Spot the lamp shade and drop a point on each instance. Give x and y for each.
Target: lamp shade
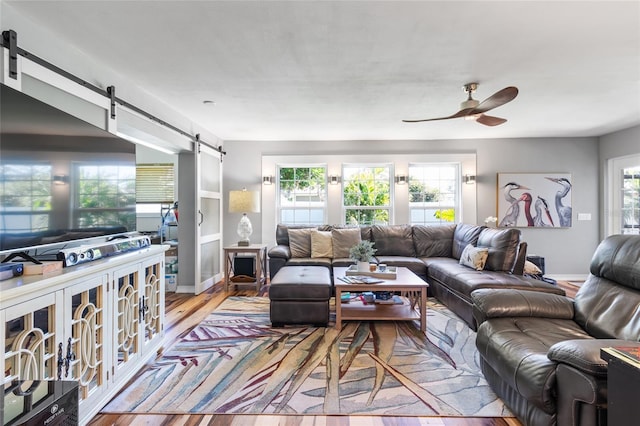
(244, 201)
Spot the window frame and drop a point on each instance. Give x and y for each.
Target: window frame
(278, 197)
(390, 180)
(78, 211)
(457, 194)
(30, 213)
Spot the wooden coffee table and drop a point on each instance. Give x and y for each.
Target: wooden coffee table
(412, 288)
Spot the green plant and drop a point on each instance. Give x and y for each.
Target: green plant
(363, 251)
(448, 215)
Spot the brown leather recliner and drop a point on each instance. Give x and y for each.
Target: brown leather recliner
(540, 352)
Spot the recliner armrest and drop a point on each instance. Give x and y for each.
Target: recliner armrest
(584, 355)
(281, 251)
(495, 303)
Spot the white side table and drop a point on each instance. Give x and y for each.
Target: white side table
(260, 252)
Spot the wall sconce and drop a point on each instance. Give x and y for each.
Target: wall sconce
(334, 180)
(60, 179)
(267, 180)
(401, 179)
(469, 179)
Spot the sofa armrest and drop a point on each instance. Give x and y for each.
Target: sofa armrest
(518, 268)
(495, 303)
(280, 251)
(584, 355)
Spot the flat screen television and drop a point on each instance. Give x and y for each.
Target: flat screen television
(62, 180)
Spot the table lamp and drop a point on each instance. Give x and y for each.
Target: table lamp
(244, 202)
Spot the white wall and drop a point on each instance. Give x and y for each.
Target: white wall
(620, 144)
(566, 251)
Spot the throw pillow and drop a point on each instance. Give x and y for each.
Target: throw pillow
(474, 257)
(321, 245)
(531, 268)
(300, 242)
(343, 240)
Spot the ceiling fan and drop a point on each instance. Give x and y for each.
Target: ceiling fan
(472, 109)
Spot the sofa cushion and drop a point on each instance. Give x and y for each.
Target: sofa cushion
(503, 245)
(462, 280)
(464, 235)
(343, 240)
(282, 232)
(300, 242)
(474, 257)
(309, 261)
(321, 245)
(433, 241)
(414, 264)
(393, 240)
(531, 268)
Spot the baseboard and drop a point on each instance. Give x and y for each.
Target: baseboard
(567, 277)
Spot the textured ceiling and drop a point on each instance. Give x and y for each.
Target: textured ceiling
(352, 70)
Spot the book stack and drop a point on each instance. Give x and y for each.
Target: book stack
(360, 279)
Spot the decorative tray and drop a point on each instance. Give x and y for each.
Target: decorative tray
(391, 273)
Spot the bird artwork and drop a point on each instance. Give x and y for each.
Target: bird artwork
(540, 207)
(527, 198)
(511, 216)
(564, 211)
(524, 200)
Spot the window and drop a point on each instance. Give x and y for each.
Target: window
(366, 194)
(155, 183)
(104, 195)
(631, 201)
(433, 193)
(25, 195)
(302, 195)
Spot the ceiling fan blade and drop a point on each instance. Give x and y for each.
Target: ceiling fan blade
(458, 114)
(489, 120)
(499, 98)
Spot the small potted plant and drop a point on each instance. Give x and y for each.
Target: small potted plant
(362, 253)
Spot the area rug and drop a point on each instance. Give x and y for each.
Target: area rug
(234, 362)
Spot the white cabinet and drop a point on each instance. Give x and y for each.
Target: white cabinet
(96, 324)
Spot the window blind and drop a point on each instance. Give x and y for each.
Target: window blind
(155, 183)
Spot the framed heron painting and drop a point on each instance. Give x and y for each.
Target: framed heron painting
(541, 200)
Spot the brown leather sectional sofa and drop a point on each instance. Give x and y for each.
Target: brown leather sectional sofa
(541, 352)
(433, 253)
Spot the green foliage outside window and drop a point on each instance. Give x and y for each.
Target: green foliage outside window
(368, 188)
(302, 178)
(447, 215)
(105, 187)
(419, 192)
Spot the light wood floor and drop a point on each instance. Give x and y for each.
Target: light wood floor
(184, 311)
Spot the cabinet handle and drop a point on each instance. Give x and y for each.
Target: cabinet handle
(143, 308)
(201, 217)
(71, 356)
(60, 361)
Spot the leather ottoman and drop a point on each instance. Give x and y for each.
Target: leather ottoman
(300, 295)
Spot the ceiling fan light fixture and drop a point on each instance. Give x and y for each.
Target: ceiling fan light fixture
(469, 103)
(472, 109)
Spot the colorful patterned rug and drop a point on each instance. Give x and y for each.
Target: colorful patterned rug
(234, 362)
